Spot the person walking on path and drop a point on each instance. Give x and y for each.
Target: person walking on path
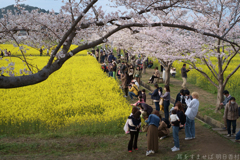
(231, 115)
(134, 124)
(191, 113)
(152, 133)
(184, 76)
(223, 104)
(157, 74)
(166, 101)
(156, 97)
(124, 83)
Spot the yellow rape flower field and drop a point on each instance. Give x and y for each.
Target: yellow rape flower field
(79, 97)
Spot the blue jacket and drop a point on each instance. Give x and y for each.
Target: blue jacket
(155, 94)
(153, 120)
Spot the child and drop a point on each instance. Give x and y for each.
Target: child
(175, 121)
(144, 95)
(140, 100)
(134, 124)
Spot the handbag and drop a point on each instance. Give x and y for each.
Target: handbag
(161, 104)
(145, 128)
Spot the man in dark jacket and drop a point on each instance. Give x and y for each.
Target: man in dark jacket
(184, 75)
(180, 97)
(110, 57)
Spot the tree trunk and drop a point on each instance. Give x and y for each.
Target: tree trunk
(220, 90)
(144, 68)
(167, 74)
(220, 80)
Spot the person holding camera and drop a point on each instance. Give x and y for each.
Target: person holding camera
(133, 90)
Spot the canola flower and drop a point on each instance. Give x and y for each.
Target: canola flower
(79, 94)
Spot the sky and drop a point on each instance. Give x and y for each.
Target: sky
(53, 4)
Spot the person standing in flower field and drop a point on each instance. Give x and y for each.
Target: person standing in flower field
(184, 76)
(41, 51)
(2, 54)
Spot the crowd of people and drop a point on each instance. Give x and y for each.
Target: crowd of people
(181, 116)
(5, 53)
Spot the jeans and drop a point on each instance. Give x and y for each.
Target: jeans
(189, 128)
(238, 135)
(110, 74)
(175, 130)
(157, 106)
(133, 135)
(131, 94)
(233, 122)
(150, 66)
(166, 109)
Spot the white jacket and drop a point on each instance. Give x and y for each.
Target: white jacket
(192, 109)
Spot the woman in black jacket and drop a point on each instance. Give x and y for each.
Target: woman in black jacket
(180, 114)
(134, 124)
(155, 96)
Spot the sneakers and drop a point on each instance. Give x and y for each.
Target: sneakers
(188, 138)
(233, 134)
(229, 135)
(162, 137)
(149, 152)
(130, 151)
(125, 96)
(136, 149)
(175, 149)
